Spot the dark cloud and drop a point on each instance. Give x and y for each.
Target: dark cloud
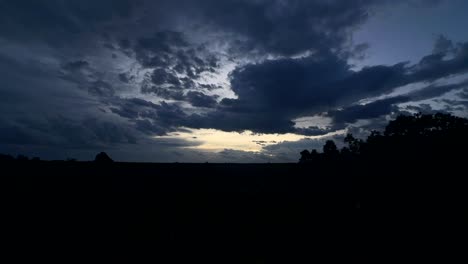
(286, 27)
(455, 105)
(91, 131)
(86, 76)
(125, 78)
(133, 108)
(369, 111)
(463, 94)
(199, 99)
(76, 65)
(164, 93)
(67, 133)
(274, 92)
(209, 87)
(388, 106)
(443, 46)
(317, 131)
(126, 112)
(240, 121)
(101, 88)
(358, 52)
(421, 108)
(150, 127)
(172, 55)
(58, 22)
(273, 26)
(436, 65)
(175, 63)
(162, 76)
(160, 49)
(70, 69)
(14, 133)
(433, 91)
(150, 118)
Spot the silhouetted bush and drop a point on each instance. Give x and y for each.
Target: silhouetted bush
(6, 158)
(103, 158)
(22, 158)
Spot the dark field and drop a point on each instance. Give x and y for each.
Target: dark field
(258, 208)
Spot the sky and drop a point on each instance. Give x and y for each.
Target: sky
(221, 81)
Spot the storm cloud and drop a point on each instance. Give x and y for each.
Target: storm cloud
(85, 76)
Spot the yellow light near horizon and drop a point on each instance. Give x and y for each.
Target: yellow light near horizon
(217, 140)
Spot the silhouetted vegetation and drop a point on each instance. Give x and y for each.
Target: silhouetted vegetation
(22, 158)
(6, 158)
(103, 158)
(418, 137)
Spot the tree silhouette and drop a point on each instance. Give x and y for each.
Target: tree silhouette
(330, 149)
(103, 158)
(6, 158)
(305, 156)
(314, 154)
(353, 143)
(22, 158)
(436, 136)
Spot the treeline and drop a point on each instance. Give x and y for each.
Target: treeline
(19, 158)
(100, 158)
(417, 137)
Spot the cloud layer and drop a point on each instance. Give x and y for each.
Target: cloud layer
(84, 76)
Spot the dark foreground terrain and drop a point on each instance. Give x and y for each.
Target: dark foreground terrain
(391, 194)
(245, 212)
